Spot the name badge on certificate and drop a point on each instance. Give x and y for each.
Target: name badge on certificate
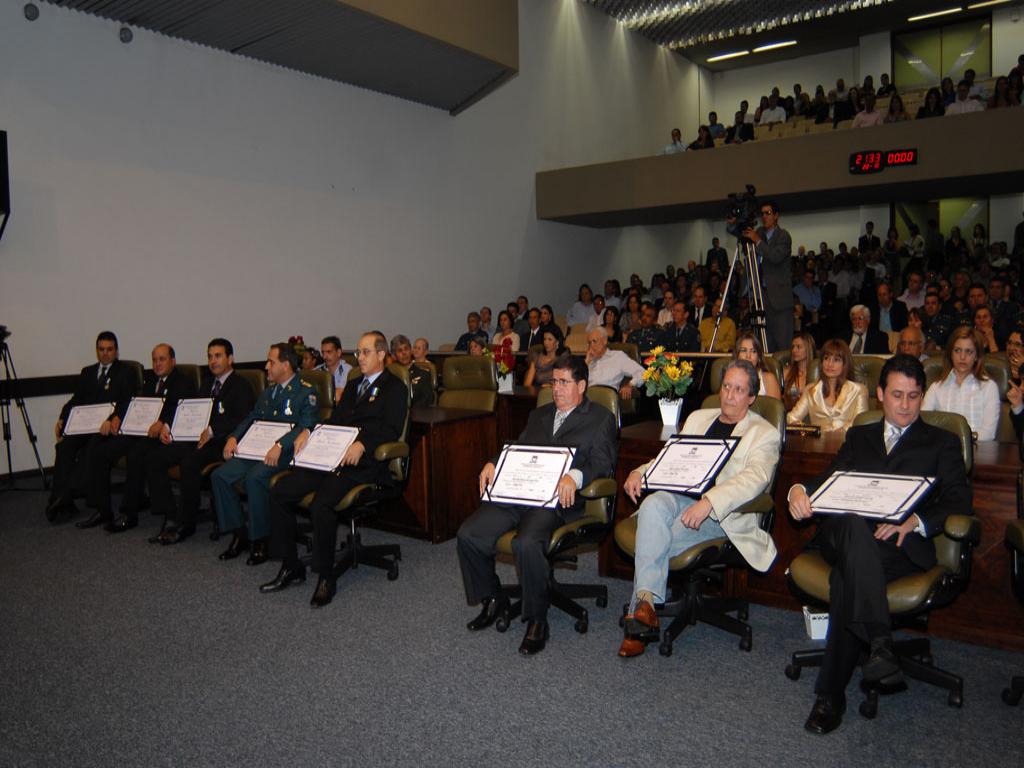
(689, 464)
(87, 419)
(142, 412)
(326, 447)
(882, 497)
(260, 438)
(191, 418)
(529, 474)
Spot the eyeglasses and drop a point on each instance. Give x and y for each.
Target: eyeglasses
(767, 212)
(562, 382)
(1015, 344)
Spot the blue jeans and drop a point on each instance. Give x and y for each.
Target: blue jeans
(660, 536)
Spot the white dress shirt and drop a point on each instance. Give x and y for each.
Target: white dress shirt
(977, 401)
(612, 367)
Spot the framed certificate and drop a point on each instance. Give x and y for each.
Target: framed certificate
(142, 412)
(260, 438)
(884, 497)
(86, 419)
(689, 464)
(529, 474)
(191, 419)
(326, 447)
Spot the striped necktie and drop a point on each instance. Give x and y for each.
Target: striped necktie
(559, 421)
(892, 437)
(363, 386)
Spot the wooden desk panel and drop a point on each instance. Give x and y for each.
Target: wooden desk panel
(448, 447)
(513, 411)
(987, 613)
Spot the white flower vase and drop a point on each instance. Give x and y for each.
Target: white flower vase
(670, 410)
(506, 384)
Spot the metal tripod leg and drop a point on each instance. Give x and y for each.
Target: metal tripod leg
(11, 386)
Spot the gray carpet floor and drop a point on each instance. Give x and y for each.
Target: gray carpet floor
(114, 652)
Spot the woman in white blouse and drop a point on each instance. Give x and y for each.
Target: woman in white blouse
(965, 388)
(505, 331)
(834, 400)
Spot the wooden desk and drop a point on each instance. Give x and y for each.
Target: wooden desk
(513, 411)
(448, 448)
(986, 613)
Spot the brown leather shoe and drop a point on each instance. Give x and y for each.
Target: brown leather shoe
(631, 647)
(643, 619)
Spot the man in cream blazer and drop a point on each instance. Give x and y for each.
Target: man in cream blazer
(669, 523)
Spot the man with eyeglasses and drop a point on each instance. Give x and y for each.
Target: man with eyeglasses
(570, 420)
(774, 248)
(670, 523)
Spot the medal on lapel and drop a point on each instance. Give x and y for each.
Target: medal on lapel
(220, 408)
(288, 407)
(373, 393)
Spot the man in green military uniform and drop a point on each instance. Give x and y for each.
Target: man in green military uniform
(648, 335)
(289, 399)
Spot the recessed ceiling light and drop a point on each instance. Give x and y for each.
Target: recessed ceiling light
(933, 14)
(723, 56)
(773, 46)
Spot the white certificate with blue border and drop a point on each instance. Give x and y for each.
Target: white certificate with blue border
(326, 447)
(883, 497)
(142, 412)
(688, 464)
(87, 419)
(260, 438)
(529, 475)
(191, 418)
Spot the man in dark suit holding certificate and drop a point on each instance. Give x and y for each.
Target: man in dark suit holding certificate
(864, 555)
(571, 420)
(289, 399)
(233, 399)
(163, 381)
(376, 403)
(108, 381)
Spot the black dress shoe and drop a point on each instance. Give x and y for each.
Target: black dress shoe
(258, 553)
(286, 576)
(177, 535)
(827, 713)
(158, 537)
(536, 636)
(325, 589)
(237, 546)
(122, 524)
(489, 612)
(883, 665)
(91, 522)
(57, 505)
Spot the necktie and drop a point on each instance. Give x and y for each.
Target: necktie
(559, 420)
(103, 373)
(892, 438)
(160, 387)
(858, 345)
(363, 386)
(216, 389)
(273, 392)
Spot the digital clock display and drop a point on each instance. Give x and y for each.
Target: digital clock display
(876, 161)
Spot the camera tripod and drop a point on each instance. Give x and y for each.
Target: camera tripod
(9, 387)
(745, 250)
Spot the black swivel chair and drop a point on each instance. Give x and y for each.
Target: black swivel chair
(1015, 542)
(566, 541)
(692, 570)
(911, 598)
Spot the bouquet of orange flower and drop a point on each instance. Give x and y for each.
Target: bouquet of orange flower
(666, 376)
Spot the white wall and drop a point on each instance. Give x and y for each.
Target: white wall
(171, 192)
(1004, 214)
(874, 57)
(1007, 38)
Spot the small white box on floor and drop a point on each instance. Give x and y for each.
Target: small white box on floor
(816, 624)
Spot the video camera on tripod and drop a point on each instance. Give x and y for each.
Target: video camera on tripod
(744, 210)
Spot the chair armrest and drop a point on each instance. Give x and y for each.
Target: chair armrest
(571, 528)
(278, 477)
(389, 451)
(965, 528)
(601, 488)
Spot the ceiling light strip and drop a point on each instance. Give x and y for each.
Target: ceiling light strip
(773, 46)
(933, 14)
(724, 56)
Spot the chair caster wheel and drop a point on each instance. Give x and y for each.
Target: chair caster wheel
(665, 648)
(868, 709)
(502, 623)
(746, 642)
(602, 601)
(1011, 696)
(792, 671)
(393, 572)
(955, 699)
(581, 626)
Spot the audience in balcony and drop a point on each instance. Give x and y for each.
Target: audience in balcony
(770, 111)
(896, 113)
(963, 104)
(1002, 96)
(704, 139)
(716, 128)
(886, 88)
(675, 146)
(948, 91)
(965, 387)
(934, 105)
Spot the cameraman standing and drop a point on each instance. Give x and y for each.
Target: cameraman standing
(774, 247)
